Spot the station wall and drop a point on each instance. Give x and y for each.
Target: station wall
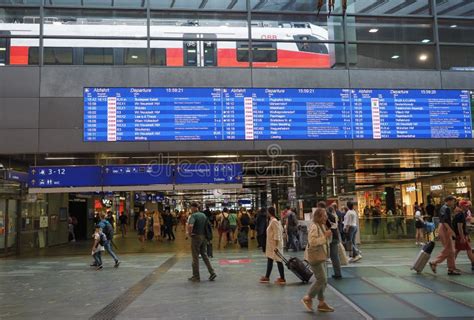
(41, 108)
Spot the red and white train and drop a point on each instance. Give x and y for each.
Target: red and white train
(173, 52)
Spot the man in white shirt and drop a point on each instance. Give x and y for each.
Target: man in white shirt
(350, 228)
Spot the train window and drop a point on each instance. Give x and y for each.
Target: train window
(310, 46)
(210, 53)
(57, 55)
(99, 56)
(262, 52)
(51, 56)
(190, 53)
(158, 56)
(135, 56)
(33, 56)
(4, 48)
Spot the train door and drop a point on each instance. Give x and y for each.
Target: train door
(4, 49)
(200, 53)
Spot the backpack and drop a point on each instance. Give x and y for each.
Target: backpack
(225, 224)
(245, 220)
(102, 238)
(108, 231)
(208, 230)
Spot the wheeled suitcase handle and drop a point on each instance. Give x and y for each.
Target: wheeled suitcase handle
(281, 256)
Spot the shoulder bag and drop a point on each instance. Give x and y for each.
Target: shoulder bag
(317, 254)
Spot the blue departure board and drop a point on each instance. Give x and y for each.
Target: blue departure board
(223, 114)
(208, 173)
(67, 176)
(134, 175)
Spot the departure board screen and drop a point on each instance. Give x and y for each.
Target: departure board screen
(223, 114)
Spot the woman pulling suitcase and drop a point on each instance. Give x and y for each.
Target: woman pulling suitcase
(316, 254)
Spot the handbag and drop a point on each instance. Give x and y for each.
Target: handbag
(342, 254)
(317, 254)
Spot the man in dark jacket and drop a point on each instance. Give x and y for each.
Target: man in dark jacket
(261, 223)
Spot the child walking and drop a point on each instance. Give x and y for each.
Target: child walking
(98, 246)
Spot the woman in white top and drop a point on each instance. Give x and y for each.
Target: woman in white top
(318, 235)
(274, 241)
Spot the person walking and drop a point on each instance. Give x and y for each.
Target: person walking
(463, 242)
(419, 225)
(233, 226)
(141, 225)
(252, 215)
(223, 227)
(292, 230)
(350, 228)
(244, 226)
(108, 230)
(197, 230)
(332, 225)
(261, 224)
(97, 247)
(168, 219)
(318, 238)
(340, 218)
(156, 225)
(274, 242)
(446, 235)
(123, 223)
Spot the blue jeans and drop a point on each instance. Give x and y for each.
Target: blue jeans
(352, 238)
(98, 258)
(334, 255)
(108, 248)
(293, 240)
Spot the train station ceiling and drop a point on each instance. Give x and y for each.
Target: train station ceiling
(374, 7)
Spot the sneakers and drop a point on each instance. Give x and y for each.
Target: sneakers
(117, 263)
(324, 307)
(356, 258)
(194, 279)
(99, 268)
(454, 272)
(308, 304)
(93, 264)
(280, 281)
(213, 277)
(264, 280)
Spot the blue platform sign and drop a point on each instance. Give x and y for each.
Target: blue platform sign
(208, 173)
(66, 176)
(18, 176)
(137, 175)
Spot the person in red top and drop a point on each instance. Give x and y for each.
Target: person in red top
(462, 242)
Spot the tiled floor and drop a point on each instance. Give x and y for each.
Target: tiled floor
(152, 284)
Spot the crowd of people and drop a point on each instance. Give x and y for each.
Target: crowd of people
(332, 232)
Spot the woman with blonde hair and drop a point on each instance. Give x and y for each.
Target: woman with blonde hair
(157, 225)
(316, 254)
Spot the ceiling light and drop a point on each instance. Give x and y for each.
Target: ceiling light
(60, 158)
(395, 57)
(374, 30)
(423, 57)
(453, 26)
(425, 40)
(134, 57)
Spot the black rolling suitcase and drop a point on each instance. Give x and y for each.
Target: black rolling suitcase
(298, 267)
